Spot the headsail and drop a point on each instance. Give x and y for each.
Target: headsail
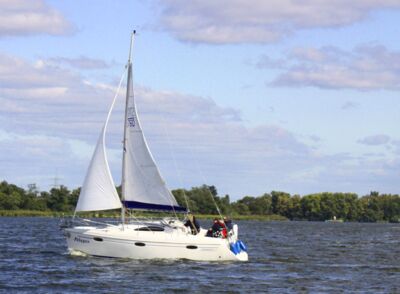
(98, 191)
(142, 184)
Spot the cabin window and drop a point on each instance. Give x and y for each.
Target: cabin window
(191, 247)
(150, 228)
(140, 244)
(98, 239)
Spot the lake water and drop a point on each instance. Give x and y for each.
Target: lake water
(285, 257)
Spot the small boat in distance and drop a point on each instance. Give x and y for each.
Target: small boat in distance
(143, 189)
(334, 220)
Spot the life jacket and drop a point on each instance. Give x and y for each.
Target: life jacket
(224, 231)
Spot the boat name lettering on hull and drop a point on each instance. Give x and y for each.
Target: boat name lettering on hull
(80, 240)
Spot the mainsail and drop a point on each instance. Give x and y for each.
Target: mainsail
(142, 184)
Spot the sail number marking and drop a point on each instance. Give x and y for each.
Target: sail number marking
(131, 117)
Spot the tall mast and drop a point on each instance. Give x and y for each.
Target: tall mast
(129, 80)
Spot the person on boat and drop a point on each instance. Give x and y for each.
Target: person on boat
(193, 224)
(228, 223)
(218, 229)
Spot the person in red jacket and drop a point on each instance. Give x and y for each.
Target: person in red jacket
(218, 229)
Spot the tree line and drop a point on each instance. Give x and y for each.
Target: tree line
(374, 207)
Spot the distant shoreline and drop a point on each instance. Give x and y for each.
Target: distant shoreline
(37, 213)
(275, 206)
(60, 214)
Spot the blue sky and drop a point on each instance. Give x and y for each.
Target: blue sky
(249, 96)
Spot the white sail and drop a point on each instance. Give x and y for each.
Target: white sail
(98, 191)
(142, 181)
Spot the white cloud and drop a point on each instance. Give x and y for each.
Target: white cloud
(16, 73)
(38, 158)
(52, 124)
(375, 140)
(258, 21)
(26, 17)
(343, 173)
(349, 105)
(81, 62)
(396, 145)
(55, 117)
(267, 62)
(185, 107)
(38, 96)
(368, 67)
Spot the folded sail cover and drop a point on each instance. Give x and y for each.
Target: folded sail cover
(149, 206)
(143, 186)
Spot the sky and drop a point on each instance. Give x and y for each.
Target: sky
(248, 95)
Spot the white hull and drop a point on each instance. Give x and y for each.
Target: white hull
(128, 242)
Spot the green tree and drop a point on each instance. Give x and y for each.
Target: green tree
(11, 201)
(311, 206)
(58, 199)
(295, 211)
(240, 208)
(280, 203)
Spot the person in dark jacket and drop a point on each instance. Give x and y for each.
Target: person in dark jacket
(193, 224)
(228, 223)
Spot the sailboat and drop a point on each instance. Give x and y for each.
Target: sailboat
(144, 189)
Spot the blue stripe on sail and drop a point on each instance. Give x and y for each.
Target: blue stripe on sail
(149, 206)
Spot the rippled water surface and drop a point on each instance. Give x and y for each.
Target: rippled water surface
(285, 257)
